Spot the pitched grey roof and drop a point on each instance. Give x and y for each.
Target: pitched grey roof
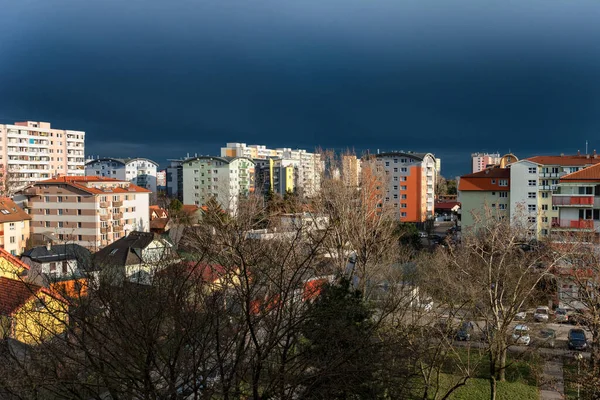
(125, 251)
(59, 252)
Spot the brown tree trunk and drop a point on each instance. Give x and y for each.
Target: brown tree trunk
(502, 366)
(492, 388)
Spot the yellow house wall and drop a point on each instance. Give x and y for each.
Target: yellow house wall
(35, 322)
(9, 270)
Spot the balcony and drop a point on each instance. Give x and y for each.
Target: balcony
(105, 229)
(117, 228)
(104, 217)
(32, 191)
(118, 216)
(104, 204)
(575, 200)
(117, 204)
(578, 224)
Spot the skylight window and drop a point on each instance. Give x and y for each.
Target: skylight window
(113, 252)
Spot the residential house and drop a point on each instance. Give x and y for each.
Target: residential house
(33, 151)
(136, 258)
(14, 226)
(52, 263)
(225, 179)
(482, 194)
(89, 211)
(141, 172)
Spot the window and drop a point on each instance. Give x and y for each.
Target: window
(47, 224)
(395, 161)
(493, 205)
(544, 219)
(52, 267)
(47, 199)
(403, 197)
(531, 220)
(531, 207)
(402, 187)
(585, 190)
(532, 170)
(395, 187)
(79, 224)
(395, 169)
(544, 232)
(531, 195)
(544, 207)
(545, 195)
(80, 237)
(554, 208)
(47, 211)
(59, 199)
(79, 212)
(395, 179)
(493, 181)
(555, 170)
(531, 182)
(60, 224)
(79, 199)
(60, 211)
(12, 226)
(387, 163)
(403, 205)
(403, 179)
(13, 239)
(404, 169)
(504, 194)
(403, 214)
(395, 196)
(502, 206)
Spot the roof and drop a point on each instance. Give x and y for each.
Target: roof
(589, 174)
(446, 205)
(482, 180)
(12, 259)
(11, 212)
(157, 212)
(119, 160)
(414, 156)
(14, 293)
(125, 251)
(81, 183)
(159, 223)
(566, 160)
(58, 252)
(224, 159)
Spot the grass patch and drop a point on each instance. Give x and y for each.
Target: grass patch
(570, 378)
(478, 388)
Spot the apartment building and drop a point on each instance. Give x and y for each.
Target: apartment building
(139, 171)
(89, 211)
(276, 175)
(411, 181)
(535, 181)
(483, 194)
(14, 227)
(480, 161)
(350, 170)
(33, 151)
(174, 179)
(308, 171)
(222, 178)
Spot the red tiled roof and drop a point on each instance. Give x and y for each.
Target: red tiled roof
(80, 182)
(482, 180)
(12, 259)
(446, 205)
(159, 223)
(11, 212)
(566, 160)
(157, 212)
(14, 293)
(591, 173)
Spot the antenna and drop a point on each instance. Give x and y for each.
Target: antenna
(586, 144)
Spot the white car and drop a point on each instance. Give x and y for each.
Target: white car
(427, 304)
(541, 314)
(521, 335)
(521, 316)
(561, 315)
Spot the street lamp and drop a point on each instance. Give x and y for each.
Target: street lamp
(578, 357)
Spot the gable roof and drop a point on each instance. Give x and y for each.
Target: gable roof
(565, 160)
(58, 252)
(13, 260)
(11, 212)
(14, 293)
(125, 251)
(589, 174)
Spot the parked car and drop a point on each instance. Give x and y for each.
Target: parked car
(423, 234)
(542, 313)
(547, 337)
(521, 335)
(577, 340)
(465, 332)
(521, 316)
(426, 304)
(561, 315)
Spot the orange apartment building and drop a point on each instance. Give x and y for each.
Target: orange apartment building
(90, 211)
(410, 184)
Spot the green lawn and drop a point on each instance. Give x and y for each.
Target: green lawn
(521, 378)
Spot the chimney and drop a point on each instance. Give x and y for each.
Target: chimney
(595, 155)
(578, 153)
(49, 246)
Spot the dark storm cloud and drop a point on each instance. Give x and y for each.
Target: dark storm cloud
(158, 79)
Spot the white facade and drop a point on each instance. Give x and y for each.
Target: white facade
(139, 171)
(308, 172)
(33, 151)
(221, 178)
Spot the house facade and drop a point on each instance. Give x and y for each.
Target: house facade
(139, 171)
(88, 211)
(483, 193)
(14, 225)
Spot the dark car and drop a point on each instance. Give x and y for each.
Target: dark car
(465, 332)
(577, 340)
(577, 317)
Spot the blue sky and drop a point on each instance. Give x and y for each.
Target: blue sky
(160, 79)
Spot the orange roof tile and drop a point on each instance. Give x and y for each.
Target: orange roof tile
(80, 182)
(482, 180)
(14, 293)
(591, 173)
(577, 160)
(12, 259)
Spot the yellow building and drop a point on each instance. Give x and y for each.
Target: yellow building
(14, 227)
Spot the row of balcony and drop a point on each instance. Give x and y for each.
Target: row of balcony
(566, 200)
(587, 224)
(107, 204)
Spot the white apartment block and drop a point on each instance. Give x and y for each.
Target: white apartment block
(308, 171)
(533, 184)
(480, 161)
(88, 211)
(139, 171)
(33, 151)
(222, 178)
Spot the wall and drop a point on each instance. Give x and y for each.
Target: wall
(39, 319)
